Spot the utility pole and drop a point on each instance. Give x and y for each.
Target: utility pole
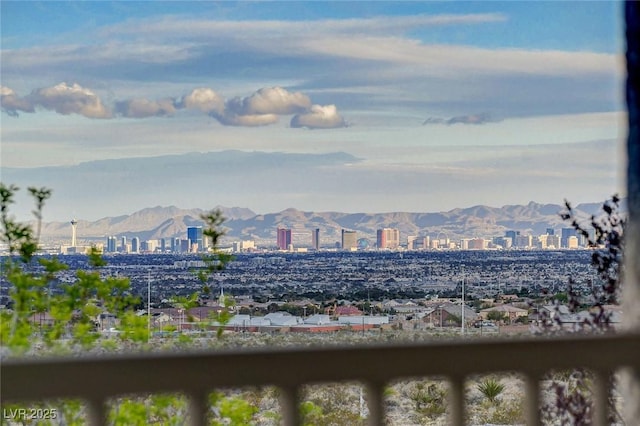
(462, 304)
(148, 306)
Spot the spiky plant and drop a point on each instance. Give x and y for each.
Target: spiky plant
(491, 389)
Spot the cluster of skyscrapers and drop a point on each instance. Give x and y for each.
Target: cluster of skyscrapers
(386, 239)
(389, 239)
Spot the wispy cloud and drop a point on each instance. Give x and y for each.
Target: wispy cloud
(194, 28)
(143, 108)
(349, 55)
(335, 181)
(480, 118)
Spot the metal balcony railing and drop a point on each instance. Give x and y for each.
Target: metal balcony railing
(95, 379)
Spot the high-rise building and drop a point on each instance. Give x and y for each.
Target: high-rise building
(315, 239)
(388, 238)
(412, 242)
(549, 241)
(566, 234)
(512, 235)
(123, 246)
(572, 242)
(194, 236)
(504, 242)
(135, 245)
(426, 242)
(523, 241)
(553, 241)
(243, 246)
(477, 244)
(112, 243)
(284, 238)
(349, 240)
(150, 246)
(550, 231)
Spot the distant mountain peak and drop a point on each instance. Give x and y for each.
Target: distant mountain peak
(242, 223)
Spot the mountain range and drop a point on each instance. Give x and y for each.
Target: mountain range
(244, 224)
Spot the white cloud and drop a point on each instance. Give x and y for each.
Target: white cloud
(261, 108)
(249, 120)
(6, 91)
(270, 100)
(448, 60)
(205, 100)
(189, 29)
(328, 55)
(70, 99)
(143, 108)
(319, 117)
(176, 40)
(11, 103)
(378, 39)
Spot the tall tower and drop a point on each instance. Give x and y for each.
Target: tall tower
(74, 223)
(349, 240)
(315, 239)
(195, 236)
(388, 238)
(284, 239)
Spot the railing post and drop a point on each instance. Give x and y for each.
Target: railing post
(289, 406)
(456, 401)
(375, 403)
(198, 408)
(600, 394)
(532, 399)
(631, 296)
(96, 412)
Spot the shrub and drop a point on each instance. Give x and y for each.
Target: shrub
(605, 234)
(491, 389)
(429, 400)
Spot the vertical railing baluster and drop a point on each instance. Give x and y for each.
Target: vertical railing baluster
(600, 392)
(375, 404)
(198, 408)
(96, 412)
(289, 406)
(532, 399)
(456, 401)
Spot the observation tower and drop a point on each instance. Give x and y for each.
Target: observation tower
(74, 223)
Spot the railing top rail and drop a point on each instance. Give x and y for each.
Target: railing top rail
(106, 376)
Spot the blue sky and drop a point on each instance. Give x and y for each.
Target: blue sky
(443, 99)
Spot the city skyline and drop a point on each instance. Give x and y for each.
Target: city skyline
(386, 239)
(355, 106)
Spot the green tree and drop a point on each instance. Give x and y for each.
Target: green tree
(496, 316)
(215, 261)
(76, 308)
